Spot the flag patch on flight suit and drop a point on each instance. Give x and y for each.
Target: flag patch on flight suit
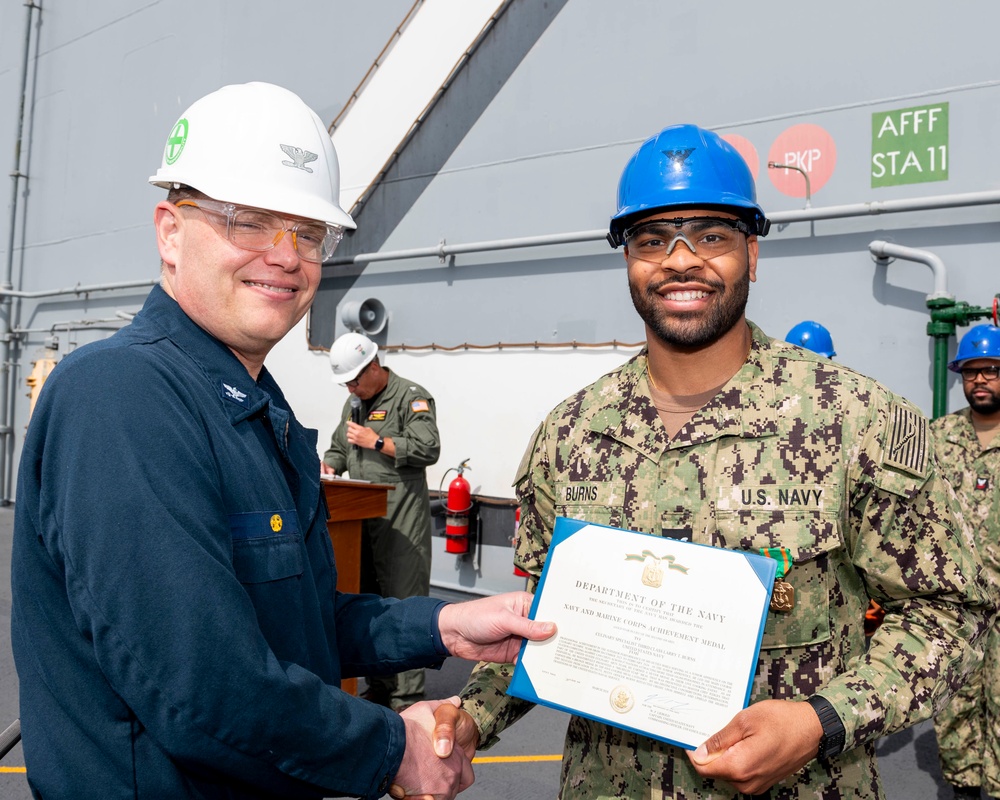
(377, 416)
(906, 448)
(420, 405)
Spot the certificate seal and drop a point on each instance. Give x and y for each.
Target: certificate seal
(622, 699)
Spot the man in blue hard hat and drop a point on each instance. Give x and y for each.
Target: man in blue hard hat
(719, 434)
(967, 444)
(812, 336)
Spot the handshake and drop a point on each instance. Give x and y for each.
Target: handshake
(441, 738)
(443, 724)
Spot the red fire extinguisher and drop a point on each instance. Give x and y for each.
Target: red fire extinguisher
(456, 525)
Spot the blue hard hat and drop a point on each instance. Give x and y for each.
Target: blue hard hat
(812, 336)
(982, 341)
(685, 166)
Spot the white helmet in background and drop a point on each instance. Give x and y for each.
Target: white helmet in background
(256, 144)
(350, 354)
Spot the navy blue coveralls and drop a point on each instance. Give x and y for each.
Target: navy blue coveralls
(176, 627)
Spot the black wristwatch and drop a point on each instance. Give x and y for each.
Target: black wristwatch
(379, 444)
(832, 743)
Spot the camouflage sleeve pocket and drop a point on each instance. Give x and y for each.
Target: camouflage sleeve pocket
(808, 622)
(812, 542)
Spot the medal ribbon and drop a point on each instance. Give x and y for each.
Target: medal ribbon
(782, 556)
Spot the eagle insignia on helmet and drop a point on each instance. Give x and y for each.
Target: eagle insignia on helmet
(299, 156)
(678, 156)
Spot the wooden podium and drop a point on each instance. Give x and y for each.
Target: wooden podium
(349, 502)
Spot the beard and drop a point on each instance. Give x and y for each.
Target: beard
(693, 329)
(987, 406)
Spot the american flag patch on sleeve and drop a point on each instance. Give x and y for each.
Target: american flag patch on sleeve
(420, 405)
(907, 444)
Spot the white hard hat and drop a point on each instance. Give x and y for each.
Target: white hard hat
(350, 354)
(256, 144)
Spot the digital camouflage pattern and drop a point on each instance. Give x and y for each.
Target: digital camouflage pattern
(968, 730)
(795, 451)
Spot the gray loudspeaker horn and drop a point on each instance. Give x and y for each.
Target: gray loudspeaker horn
(367, 317)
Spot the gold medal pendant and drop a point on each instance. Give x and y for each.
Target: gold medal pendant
(783, 596)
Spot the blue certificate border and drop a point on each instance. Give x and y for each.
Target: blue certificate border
(521, 685)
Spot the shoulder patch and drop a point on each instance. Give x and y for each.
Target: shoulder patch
(907, 441)
(420, 405)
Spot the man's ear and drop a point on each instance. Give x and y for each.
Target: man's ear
(752, 257)
(166, 221)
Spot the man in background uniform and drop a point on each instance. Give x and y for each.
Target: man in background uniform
(967, 444)
(393, 440)
(704, 435)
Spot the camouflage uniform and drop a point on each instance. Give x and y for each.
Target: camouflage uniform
(968, 730)
(795, 451)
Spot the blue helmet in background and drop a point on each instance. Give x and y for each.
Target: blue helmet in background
(685, 166)
(982, 341)
(812, 336)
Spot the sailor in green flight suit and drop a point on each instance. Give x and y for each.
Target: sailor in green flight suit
(392, 438)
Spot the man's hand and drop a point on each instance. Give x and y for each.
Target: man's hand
(424, 771)
(762, 745)
(491, 629)
(325, 470)
(361, 436)
(454, 725)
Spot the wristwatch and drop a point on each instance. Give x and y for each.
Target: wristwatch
(379, 444)
(832, 743)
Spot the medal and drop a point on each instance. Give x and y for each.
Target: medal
(783, 594)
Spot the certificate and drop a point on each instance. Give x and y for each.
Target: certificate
(655, 635)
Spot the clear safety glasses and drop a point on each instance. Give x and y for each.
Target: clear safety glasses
(255, 229)
(706, 237)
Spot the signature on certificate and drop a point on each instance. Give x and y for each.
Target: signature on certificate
(665, 702)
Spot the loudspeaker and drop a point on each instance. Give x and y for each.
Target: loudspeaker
(367, 317)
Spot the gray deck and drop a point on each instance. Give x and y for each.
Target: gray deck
(909, 759)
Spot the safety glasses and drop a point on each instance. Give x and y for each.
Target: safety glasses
(706, 237)
(989, 373)
(256, 229)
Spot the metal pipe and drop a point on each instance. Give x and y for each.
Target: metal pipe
(940, 382)
(78, 289)
(6, 304)
(776, 165)
(886, 250)
(443, 250)
(10, 737)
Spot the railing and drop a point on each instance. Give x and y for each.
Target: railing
(10, 737)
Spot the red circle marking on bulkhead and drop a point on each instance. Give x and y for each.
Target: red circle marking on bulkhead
(808, 147)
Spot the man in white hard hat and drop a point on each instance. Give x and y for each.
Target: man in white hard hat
(176, 626)
(387, 434)
(967, 444)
